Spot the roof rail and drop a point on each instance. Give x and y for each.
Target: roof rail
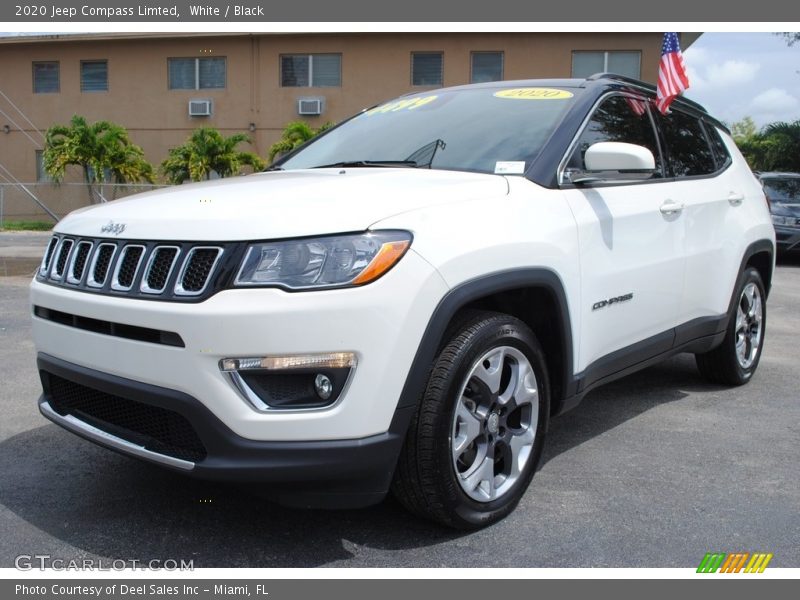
(643, 85)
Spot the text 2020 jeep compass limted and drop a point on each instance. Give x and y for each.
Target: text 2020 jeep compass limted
(403, 303)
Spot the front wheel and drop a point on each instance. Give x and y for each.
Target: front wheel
(477, 436)
(735, 360)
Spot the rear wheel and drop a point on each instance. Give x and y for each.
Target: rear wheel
(477, 436)
(735, 360)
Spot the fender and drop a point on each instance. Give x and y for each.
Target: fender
(473, 290)
(756, 247)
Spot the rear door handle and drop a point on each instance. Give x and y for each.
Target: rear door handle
(670, 207)
(735, 199)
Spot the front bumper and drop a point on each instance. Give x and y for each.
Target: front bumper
(381, 323)
(323, 473)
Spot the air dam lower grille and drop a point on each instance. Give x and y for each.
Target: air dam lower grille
(156, 429)
(175, 271)
(131, 332)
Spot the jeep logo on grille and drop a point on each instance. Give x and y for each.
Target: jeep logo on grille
(111, 227)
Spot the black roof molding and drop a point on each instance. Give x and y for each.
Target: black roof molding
(681, 101)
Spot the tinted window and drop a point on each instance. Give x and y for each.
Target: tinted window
(585, 63)
(45, 78)
(489, 130)
(617, 119)
(427, 68)
(718, 146)
(487, 66)
(211, 73)
(687, 146)
(196, 73)
(181, 73)
(94, 76)
(295, 71)
(311, 70)
(782, 191)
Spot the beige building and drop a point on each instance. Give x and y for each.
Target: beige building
(255, 83)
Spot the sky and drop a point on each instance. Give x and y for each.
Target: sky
(735, 75)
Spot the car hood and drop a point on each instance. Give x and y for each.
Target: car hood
(279, 204)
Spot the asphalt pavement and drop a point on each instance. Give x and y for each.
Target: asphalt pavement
(653, 470)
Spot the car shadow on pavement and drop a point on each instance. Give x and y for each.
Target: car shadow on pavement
(96, 502)
(789, 259)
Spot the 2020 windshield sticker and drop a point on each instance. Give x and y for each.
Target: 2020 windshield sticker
(404, 104)
(533, 93)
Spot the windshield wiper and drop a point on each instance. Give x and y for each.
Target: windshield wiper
(424, 155)
(369, 163)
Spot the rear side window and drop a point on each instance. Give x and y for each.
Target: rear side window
(687, 145)
(618, 119)
(721, 154)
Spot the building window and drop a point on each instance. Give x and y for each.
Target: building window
(626, 63)
(46, 78)
(311, 70)
(427, 68)
(486, 66)
(94, 76)
(196, 73)
(41, 174)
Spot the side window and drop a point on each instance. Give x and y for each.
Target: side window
(721, 153)
(618, 119)
(687, 145)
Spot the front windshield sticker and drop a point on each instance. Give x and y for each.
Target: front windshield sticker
(533, 93)
(509, 167)
(403, 104)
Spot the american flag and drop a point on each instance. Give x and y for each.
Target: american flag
(672, 79)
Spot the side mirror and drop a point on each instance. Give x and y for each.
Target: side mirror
(616, 161)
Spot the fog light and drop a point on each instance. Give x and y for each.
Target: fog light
(323, 386)
(295, 382)
(335, 360)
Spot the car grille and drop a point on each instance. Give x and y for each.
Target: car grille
(154, 428)
(182, 271)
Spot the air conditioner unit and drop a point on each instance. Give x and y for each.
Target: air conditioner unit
(200, 108)
(309, 106)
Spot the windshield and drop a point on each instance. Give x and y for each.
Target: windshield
(783, 191)
(486, 130)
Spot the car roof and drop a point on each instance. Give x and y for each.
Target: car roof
(596, 82)
(777, 175)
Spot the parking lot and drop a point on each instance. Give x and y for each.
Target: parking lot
(653, 470)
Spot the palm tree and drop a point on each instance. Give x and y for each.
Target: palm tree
(103, 150)
(296, 133)
(782, 146)
(205, 151)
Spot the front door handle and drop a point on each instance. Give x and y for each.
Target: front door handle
(670, 207)
(735, 199)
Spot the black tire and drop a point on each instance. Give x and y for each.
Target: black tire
(722, 364)
(426, 480)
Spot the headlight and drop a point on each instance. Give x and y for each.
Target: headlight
(323, 262)
(780, 220)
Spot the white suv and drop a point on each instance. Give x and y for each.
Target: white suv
(404, 302)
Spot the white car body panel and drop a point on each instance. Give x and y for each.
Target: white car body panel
(717, 233)
(380, 325)
(626, 246)
(280, 204)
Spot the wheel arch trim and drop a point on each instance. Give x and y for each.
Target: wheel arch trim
(476, 289)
